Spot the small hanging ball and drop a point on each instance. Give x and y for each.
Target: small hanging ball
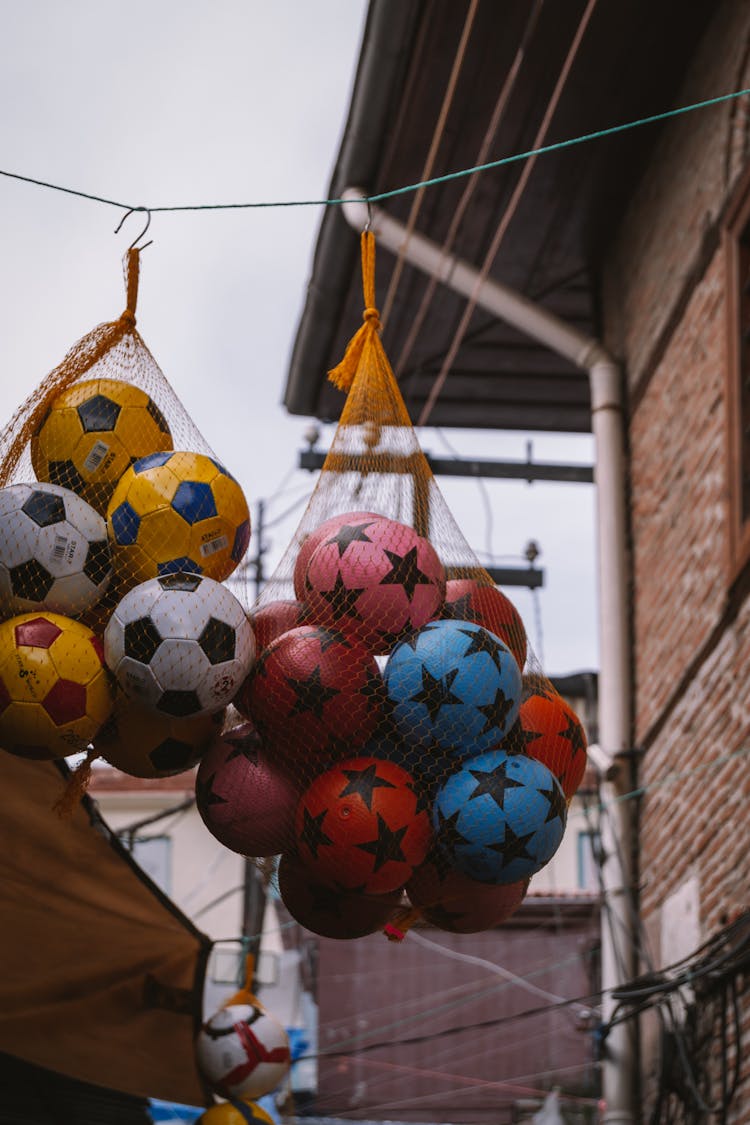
(361, 826)
(374, 581)
(245, 800)
(554, 735)
(469, 600)
(317, 535)
(269, 621)
(314, 696)
(500, 817)
(453, 902)
(228, 1114)
(453, 684)
(241, 1051)
(328, 911)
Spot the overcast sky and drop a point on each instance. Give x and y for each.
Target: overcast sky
(164, 102)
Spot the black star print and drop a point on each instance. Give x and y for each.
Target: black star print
(459, 609)
(447, 830)
(387, 845)
(513, 847)
(312, 832)
(530, 735)
(350, 533)
(340, 598)
(325, 899)
(312, 694)
(436, 691)
(412, 639)
(364, 782)
(497, 712)
(329, 637)
(574, 734)
(538, 685)
(483, 641)
(556, 800)
(204, 793)
(441, 917)
(405, 572)
(244, 746)
(494, 783)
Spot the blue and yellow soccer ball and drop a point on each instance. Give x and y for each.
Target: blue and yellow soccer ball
(92, 432)
(177, 512)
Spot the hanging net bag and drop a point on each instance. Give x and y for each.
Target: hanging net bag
(399, 748)
(119, 636)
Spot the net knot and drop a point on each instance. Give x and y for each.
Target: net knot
(128, 318)
(371, 316)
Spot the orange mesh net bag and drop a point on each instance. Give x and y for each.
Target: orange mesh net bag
(399, 746)
(118, 528)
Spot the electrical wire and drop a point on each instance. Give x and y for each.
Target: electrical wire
(405, 189)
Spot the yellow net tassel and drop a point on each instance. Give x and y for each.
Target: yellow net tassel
(401, 922)
(246, 994)
(342, 376)
(75, 787)
(132, 271)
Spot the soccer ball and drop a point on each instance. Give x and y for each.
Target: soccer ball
(55, 692)
(374, 580)
(54, 552)
(92, 432)
(245, 800)
(553, 734)
(361, 826)
(313, 695)
(177, 512)
(460, 905)
(144, 743)
(328, 911)
(453, 684)
(468, 600)
(500, 817)
(315, 538)
(269, 621)
(180, 644)
(241, 1051)
(227, 1114)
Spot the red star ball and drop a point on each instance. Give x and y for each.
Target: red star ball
(454, 902)
(553, 734)
(468, 600)
(328, 911)
(271, 620)
(360, 826)
(315, 538)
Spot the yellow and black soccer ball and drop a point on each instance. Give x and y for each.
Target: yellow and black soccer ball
(55, 691)
(177, 512)
(142, 742)
(92, 432)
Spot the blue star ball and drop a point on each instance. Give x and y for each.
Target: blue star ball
(500, 817)
(455, 685)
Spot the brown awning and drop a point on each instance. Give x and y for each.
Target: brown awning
(102, 975)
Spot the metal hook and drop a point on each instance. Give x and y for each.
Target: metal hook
(369, 215)
(140, 236)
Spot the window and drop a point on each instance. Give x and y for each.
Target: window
(737, 258)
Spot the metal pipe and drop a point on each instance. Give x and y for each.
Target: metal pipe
(615, 692)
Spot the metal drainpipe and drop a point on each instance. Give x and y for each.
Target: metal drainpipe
(617, 937)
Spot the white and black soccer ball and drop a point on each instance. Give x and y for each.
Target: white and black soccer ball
(181, 644)
(242, 1051)
(54, 553)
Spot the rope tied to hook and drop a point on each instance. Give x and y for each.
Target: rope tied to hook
(343, 374)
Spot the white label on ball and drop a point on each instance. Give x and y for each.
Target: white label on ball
(59, 548)
(99, 451)
(136, 683)
(214, 546)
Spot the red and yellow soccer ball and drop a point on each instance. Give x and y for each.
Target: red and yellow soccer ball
(361, 826)
(177, 511)
(469, 600)
(55, 692)
(313, 695)
(374, 581)
(553, 734)
(91, 434)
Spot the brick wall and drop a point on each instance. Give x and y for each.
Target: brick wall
(665, 315)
